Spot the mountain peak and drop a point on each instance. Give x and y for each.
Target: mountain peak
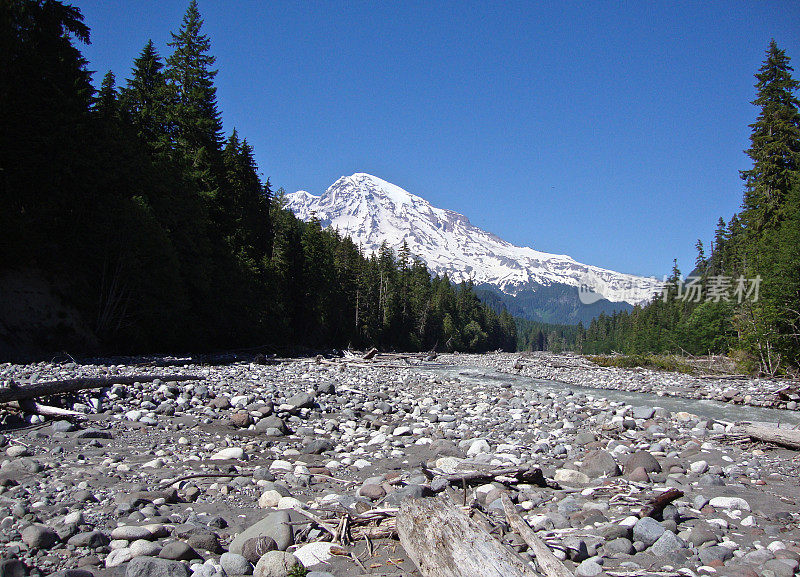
(372, 211)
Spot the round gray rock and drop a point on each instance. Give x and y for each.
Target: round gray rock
(235, 564)
(275, 564)
(598, 464)
(39, 537)
(642, 459)
(155, 567)
(648, 531)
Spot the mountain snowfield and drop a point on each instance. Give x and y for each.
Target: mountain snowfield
(371, 211)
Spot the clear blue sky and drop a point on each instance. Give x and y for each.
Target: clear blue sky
(609, 131)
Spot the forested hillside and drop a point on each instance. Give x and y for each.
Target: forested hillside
(157, 228)
(743, 295)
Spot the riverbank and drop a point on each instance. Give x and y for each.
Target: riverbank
(577, 370)
(219, 475)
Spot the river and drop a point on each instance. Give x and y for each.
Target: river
(715, 410)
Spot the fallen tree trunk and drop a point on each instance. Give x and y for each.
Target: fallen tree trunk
(22, 393)
(443, 542)
(548, 563)
(789, 438)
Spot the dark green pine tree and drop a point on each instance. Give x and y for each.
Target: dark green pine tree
(145, 100)
(775, 143)
(700, 262)
(106, 103)
(197, 120)
(243, 204)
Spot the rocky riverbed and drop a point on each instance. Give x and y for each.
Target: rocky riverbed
(223, 475)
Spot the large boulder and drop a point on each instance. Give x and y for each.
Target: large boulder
(599, 464)
(275, 525)
(642, 459)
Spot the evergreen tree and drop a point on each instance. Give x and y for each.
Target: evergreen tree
(775, 143)
(106, 104)
(145, 100)
(197, 120)
(700, 262)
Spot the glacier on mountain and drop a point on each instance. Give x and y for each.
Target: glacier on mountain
(372, 211)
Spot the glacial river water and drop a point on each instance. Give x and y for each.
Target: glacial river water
(703, 408)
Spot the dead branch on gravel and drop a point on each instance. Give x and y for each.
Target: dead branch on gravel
(655, 507)
(16, 392)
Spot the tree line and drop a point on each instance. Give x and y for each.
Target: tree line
(159, 229)
(743, 297)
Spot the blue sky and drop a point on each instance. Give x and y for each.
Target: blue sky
(609, 131)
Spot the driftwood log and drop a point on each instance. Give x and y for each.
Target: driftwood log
(443, 542)
(23, 393)
(32, 407)
(529, 475)
(789, 438)
(548, 563)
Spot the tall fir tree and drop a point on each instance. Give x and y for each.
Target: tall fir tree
(195, 115)
(775, 143)
(145, 100)
(106, 102)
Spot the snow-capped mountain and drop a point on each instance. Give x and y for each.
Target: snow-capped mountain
(372, 211)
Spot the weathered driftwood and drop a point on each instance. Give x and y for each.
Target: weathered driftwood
(31, 406)
(529, 475)
(789, 438)
(655, 507)
(548, 563)
(370, 353)
(443, 542)
(21, 393)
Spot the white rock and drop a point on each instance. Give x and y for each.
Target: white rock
(235, 453)
(569, 476)
(448, 465)
(729, 503)
(477, 447)
(776, 546)
(15, 451)
(118, 557)
(314, 553)
(74, 518)
(269, 499)
(289, 503)
(279, 465)
(378, 439)
(143, 548)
